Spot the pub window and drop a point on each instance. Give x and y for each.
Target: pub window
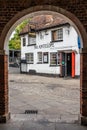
(57, 34)
(53, 58)
(29, 58)
(45, 57)
(39, 57)
(24, 41)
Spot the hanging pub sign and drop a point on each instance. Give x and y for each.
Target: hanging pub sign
(79, 42)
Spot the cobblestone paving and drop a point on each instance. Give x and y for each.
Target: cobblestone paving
(56, 99)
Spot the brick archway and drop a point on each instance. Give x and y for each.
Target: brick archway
(19, 17)
(4, 111)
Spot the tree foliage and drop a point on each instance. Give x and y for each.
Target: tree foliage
(15, 41)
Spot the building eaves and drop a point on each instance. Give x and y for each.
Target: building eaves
(51, 27)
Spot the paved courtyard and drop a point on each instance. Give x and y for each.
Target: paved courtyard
(55, 99)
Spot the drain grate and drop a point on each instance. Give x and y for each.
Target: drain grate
(31, 111)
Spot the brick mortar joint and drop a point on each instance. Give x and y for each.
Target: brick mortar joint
(83, 51)
(2, 52)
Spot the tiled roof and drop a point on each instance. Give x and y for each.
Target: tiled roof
(42, 22)
(25, 29)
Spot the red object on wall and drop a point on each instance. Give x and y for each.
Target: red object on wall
(73, 64)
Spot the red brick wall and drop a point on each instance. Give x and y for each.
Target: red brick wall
(8, 8)
(83, 87)
(84, 84)
(3, 85)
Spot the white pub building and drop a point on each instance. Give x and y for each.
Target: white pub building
(50, 48)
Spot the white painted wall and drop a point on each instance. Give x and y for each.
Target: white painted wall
(69, 43)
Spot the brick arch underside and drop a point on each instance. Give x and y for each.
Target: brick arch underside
(74, 18)
(11, 11)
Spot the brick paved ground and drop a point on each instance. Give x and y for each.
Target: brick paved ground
(56, 99)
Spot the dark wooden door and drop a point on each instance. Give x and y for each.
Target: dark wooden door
(69, 64)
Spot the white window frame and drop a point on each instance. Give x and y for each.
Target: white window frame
(57, 62)
(52, 58)
(29, 58)
(40, 57)
(58, 34)
(24, 41)
(44, 58)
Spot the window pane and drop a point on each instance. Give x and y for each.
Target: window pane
(54, 35)
(53, 58)
(57, 34)
(29, 57)
(40, 57)
(24, 41)
(60, 34)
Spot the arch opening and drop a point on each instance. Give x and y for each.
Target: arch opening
(47, 10)
(19, 20)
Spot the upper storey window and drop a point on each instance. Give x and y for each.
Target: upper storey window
(57, 35)
(24, 41)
